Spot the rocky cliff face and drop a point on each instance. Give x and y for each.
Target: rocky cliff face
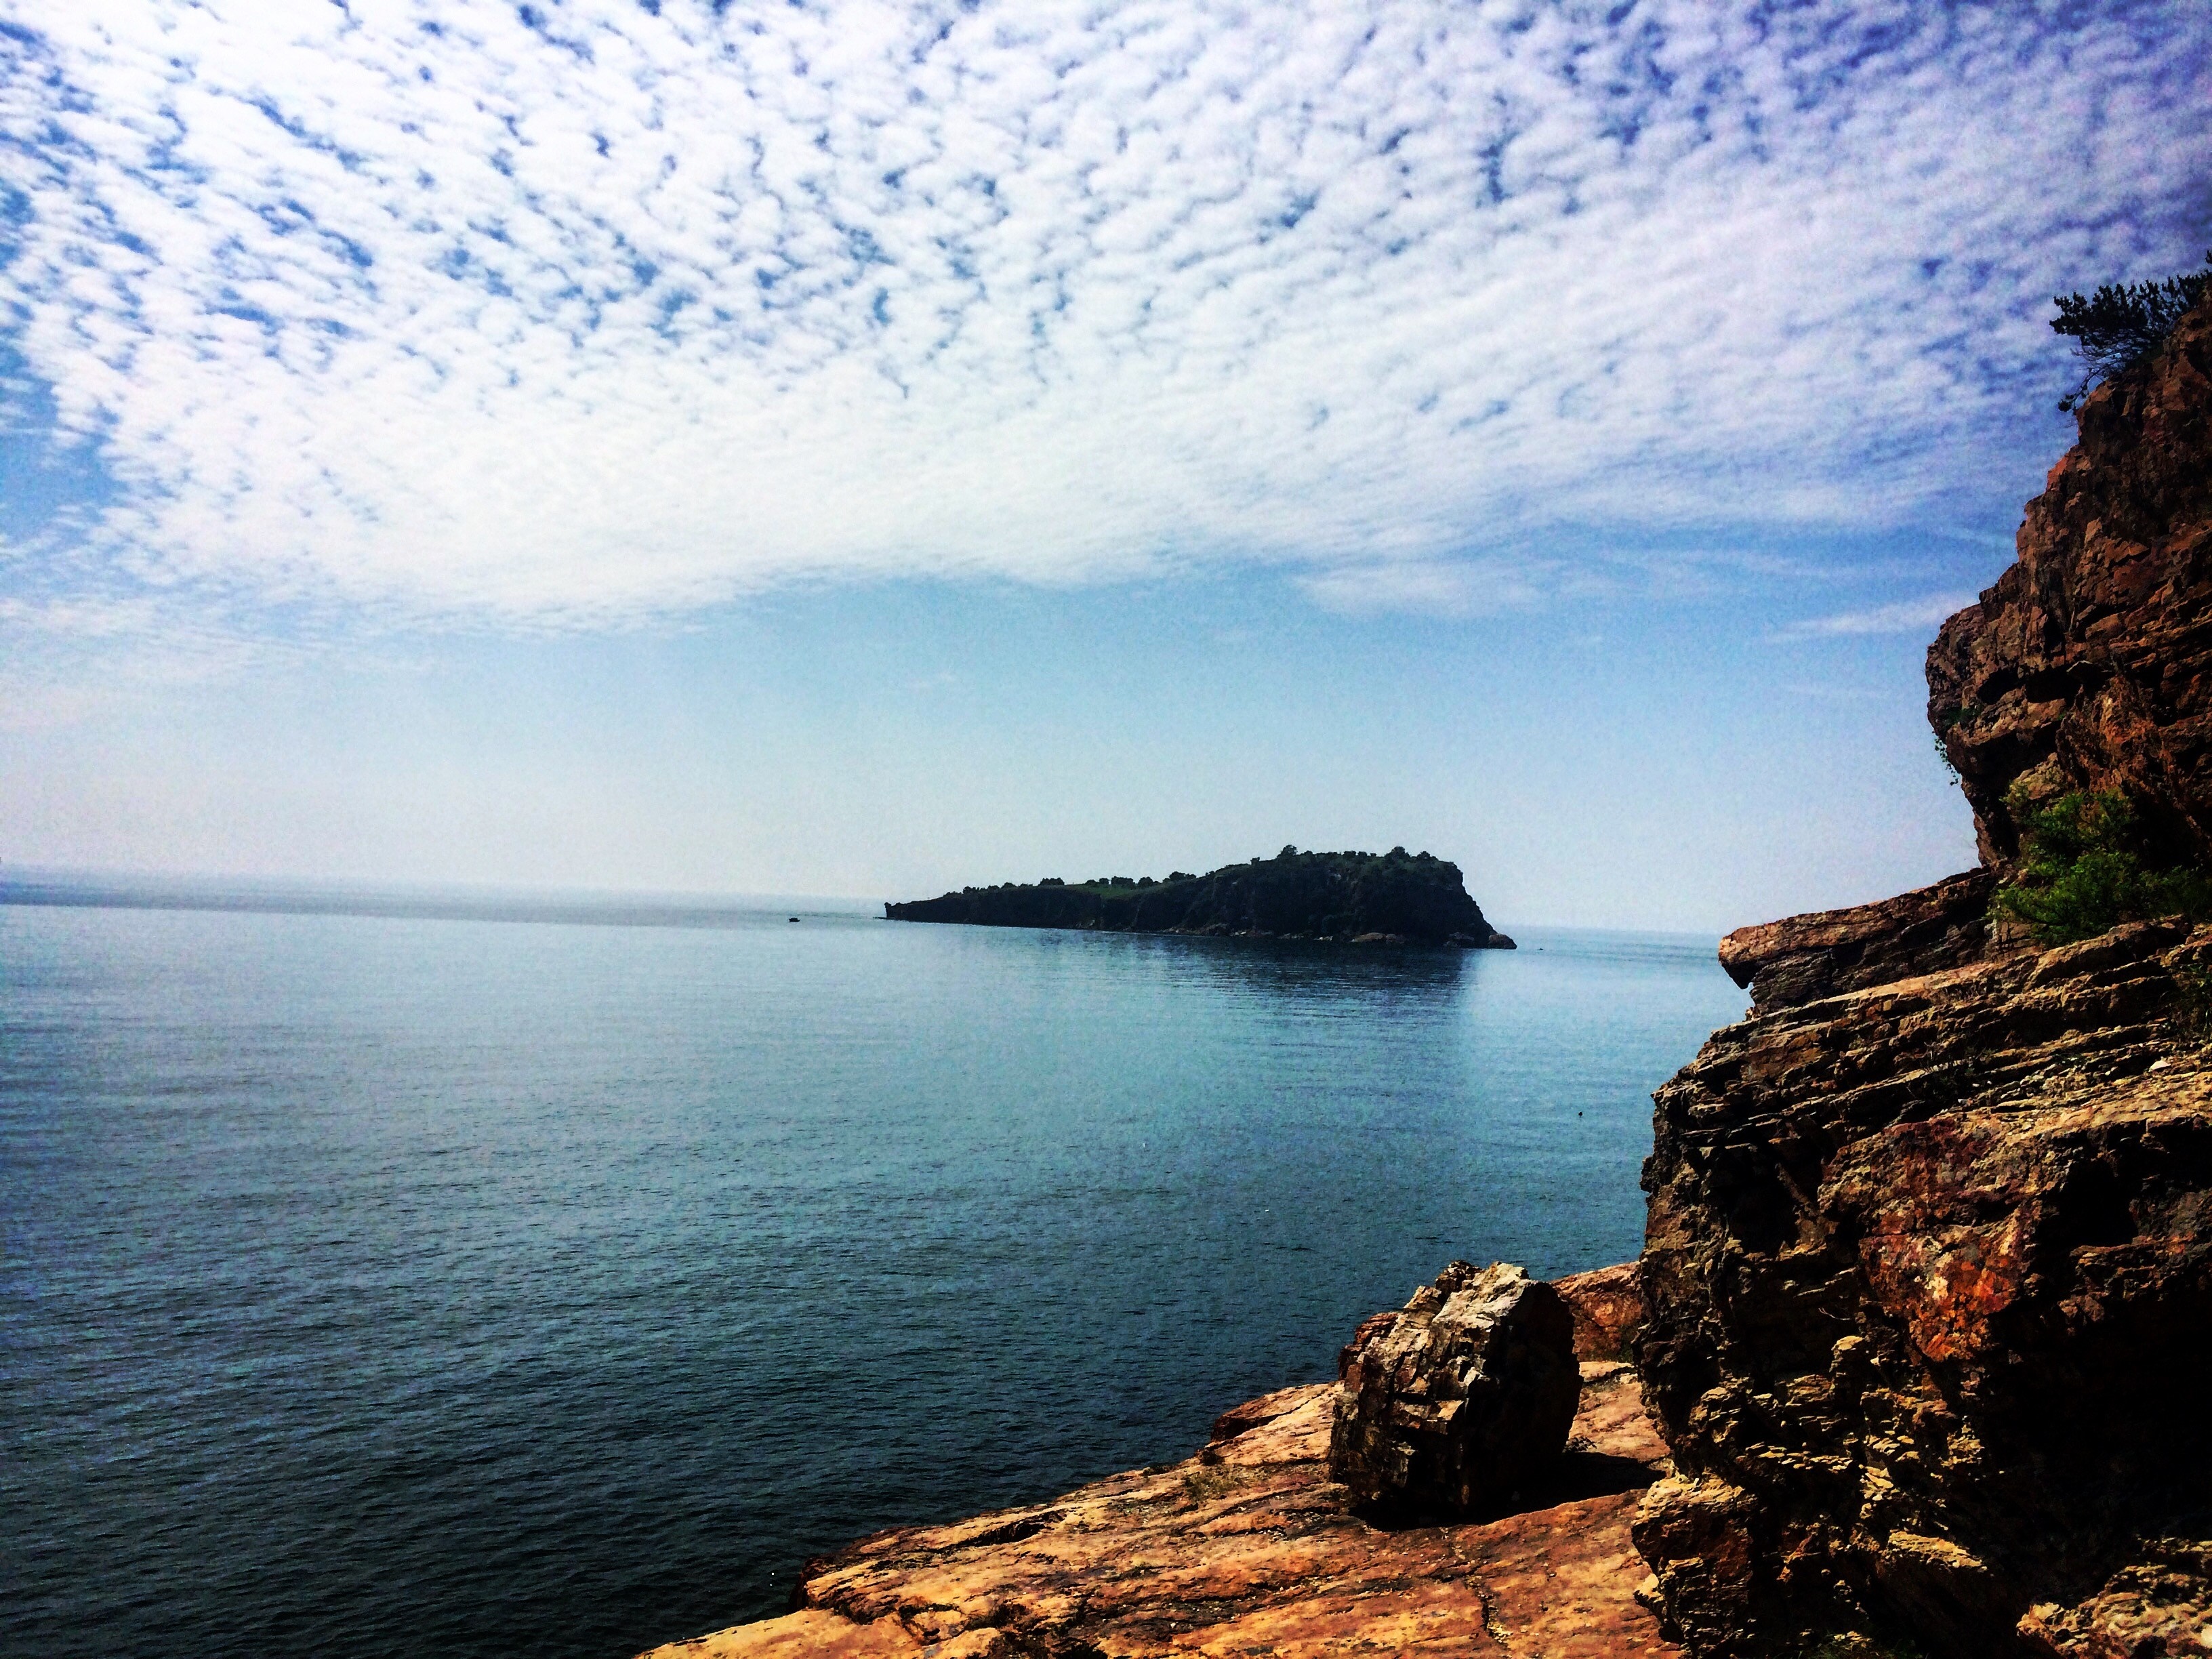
(1928, 1260)
(1929, 1274)
(2088, 666)
(1363, 898)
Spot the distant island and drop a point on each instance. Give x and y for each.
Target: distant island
(1395, 897)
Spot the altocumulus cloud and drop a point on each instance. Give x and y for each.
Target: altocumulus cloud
(572, 311)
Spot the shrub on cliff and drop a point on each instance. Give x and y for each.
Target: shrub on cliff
(2083, 872)
(2121, 324)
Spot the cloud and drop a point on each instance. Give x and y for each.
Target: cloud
(1520, 579)
(1431, 586)
(1905, 616)
(575, 312)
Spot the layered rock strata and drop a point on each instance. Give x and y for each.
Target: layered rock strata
(1459, 1400)
(1802, 958)
(1929, 1275)
(1929, 1258)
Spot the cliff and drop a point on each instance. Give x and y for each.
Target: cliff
(2086, 665)
(1361, 898)
(1929, 1253)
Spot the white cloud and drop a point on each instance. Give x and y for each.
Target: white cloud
(1905, 616)
(577, 310)
(1433, 586)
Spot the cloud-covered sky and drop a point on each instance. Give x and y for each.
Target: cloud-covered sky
(580, 310)
(413, 315)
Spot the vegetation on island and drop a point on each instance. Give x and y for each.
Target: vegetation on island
(1346, 898)
(2123, 324)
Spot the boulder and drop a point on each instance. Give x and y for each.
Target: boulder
(1454, 1404)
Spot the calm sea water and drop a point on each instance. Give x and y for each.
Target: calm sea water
(384, 1286)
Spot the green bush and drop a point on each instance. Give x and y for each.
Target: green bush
(2123, 324)
(2193, 1002)
(2083, 871)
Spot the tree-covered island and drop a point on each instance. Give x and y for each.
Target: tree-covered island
(1395, 897)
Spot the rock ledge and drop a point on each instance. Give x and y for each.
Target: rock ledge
(1248, 1548)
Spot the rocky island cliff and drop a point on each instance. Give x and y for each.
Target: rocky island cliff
(1913, 1362)
(1351, 898)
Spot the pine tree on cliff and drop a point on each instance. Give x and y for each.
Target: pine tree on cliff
(2123, 324)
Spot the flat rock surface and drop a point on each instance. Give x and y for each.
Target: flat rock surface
(1248, 1548)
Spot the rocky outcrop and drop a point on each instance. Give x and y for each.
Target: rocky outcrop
(1803, 958)
(2157, 1606)
(1927, 1268)
(1460, 1400)
(2088, 666)
(1354, 898)
(1929, 1275)
(1249, 1547)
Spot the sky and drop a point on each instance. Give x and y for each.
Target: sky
(867, 449)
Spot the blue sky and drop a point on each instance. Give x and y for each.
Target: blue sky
(865, 449)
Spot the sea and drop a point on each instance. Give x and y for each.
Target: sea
(393, 1274)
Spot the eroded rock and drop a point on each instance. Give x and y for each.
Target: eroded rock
(1455, 1403)
(1802, 958)
(1929, 1275)
(2157, 1606)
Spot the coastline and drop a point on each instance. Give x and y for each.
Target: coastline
(1247, 1547)
(1927, 1266)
